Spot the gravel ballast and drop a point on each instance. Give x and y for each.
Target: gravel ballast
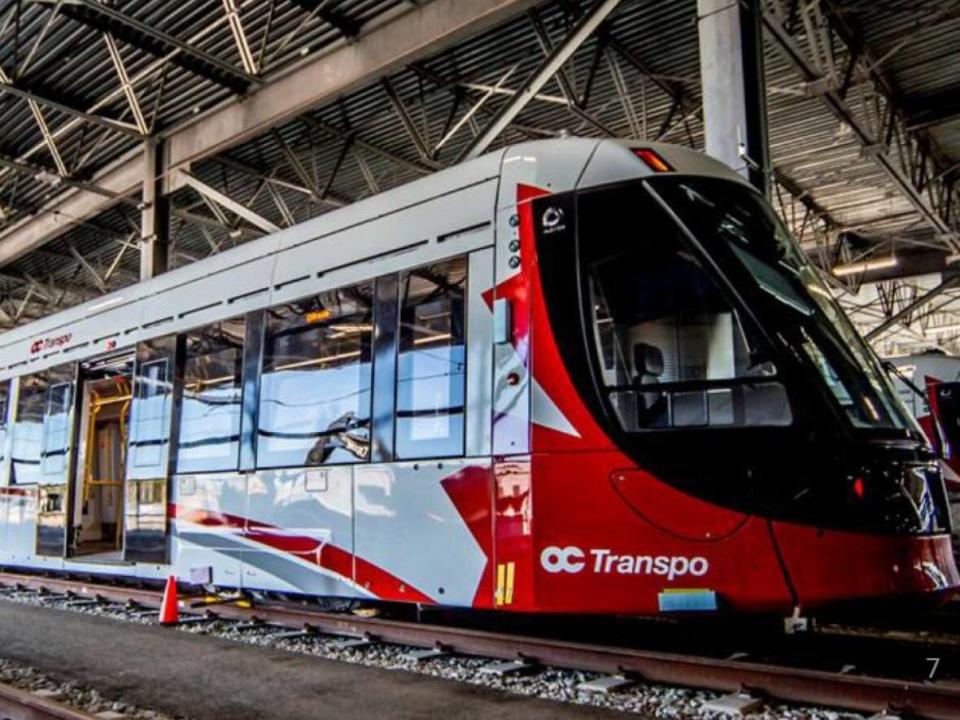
(645, 700)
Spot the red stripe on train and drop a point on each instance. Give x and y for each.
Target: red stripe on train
(20, 492)
(375, 579)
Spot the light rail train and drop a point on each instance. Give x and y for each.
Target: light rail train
(572, 375)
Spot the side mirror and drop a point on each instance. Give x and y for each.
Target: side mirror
(502, 321)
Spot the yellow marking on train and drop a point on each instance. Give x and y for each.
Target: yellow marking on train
(498, 597)
(511, 567)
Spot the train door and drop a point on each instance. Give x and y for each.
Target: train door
(148, 451)
(96, 515)
(47, 399)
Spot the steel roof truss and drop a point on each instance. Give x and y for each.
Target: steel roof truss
(106, 18)
(228, 203)
(825, 54)
(288, 218)
(125, 83)
(325, 11)
(294, 162)
(240, 37)
(35, 99)
(412, 130)
(551, 64)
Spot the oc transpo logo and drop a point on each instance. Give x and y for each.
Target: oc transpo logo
(49, 343)
(571, 559)
(556, 559)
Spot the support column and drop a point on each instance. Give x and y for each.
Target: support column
(734, 90)
(155, 216)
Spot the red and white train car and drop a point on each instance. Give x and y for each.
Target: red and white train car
(569, 376)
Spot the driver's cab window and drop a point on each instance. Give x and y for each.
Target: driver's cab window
(315, 386)
(672, 350)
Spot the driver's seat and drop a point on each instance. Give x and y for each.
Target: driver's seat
(648, 366)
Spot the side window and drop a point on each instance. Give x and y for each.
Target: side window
(315, 386)
(431, 363)
(28, 430)
(150, 419)
(209, 437)
(41, 430)
(56, 428)
(4, 407)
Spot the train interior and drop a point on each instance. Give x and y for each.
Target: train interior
(98, 482)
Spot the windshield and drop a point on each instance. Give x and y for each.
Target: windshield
(671, 349)
(719, 211)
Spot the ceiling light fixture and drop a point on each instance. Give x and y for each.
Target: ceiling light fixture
(866, 266)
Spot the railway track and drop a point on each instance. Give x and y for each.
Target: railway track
(932, 700)
(16, 704)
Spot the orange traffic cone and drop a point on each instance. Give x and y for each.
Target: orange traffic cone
(170, 607)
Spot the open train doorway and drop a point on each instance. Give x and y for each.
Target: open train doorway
(98, 484)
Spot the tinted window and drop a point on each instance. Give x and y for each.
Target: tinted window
(56, 428)
(210, 406)
(431, 362)
(149, 431)
(315, 386)
(672, 350)
(28, 429)
(720, 213)
(4, 404)
(41, 431)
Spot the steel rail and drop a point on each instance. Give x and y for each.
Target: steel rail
(17, 704)
(929, 700)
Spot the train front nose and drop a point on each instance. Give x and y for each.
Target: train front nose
(895, 542)
(828, 566)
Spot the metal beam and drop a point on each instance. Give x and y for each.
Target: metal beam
(72, 208)
(381, 50)
(874, 143)
(106, 18)
(205, 221)
(423, 167)
(731, 68)
(51, 177)
(550, 66)
(386, 45)
(227, 202)
(124, 78)
(329, 14)
(240, 37)
(912, 307)
(90, 270)
(294, 162)
(115, 125)
(408, 124)
(155, 214)
(331, 199)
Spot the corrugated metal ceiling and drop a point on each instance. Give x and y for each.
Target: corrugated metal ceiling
(810, 147)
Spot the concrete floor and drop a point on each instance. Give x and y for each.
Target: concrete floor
(204, 677)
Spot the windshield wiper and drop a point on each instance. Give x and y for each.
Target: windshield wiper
(895, 371)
